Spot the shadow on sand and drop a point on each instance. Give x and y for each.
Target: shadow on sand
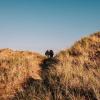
(32, 89)
(48, 63)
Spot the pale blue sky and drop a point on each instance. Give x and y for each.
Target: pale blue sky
(38, 25)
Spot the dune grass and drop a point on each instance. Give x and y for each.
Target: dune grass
(73, 74)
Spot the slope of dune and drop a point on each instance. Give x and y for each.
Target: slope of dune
(73, 74)
(15, 68)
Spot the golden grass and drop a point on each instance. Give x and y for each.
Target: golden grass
(73, 74)
(15, 68)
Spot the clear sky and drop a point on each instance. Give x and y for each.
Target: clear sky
(38, 25)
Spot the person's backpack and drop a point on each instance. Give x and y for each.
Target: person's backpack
(51, 53)
(47, 53)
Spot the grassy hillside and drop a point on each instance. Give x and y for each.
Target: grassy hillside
(73, 74)
(15, 68)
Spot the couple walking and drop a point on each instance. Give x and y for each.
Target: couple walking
(49, 53)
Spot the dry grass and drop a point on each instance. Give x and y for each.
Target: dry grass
(73, 74)
(15, 68)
